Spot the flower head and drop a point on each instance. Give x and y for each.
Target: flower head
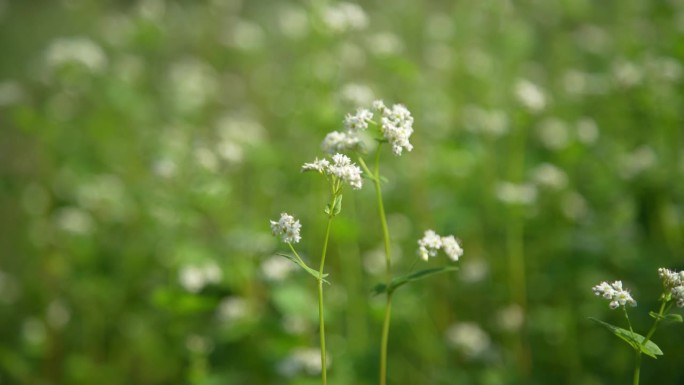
(341, 167)
(358, 121)
(615, 293)
(287, 228)
(429, 245)
(674, 284)
(340, 141)
(396, 126)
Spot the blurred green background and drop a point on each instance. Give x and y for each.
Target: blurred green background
(144, 145)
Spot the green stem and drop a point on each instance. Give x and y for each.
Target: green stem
(321, 320)
(388, 265)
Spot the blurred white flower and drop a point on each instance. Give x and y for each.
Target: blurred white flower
(550, 176)
(58, 315)
(512, 193)
(337, 141)
(587, 131)
(358, 121)
(614, 293)
(638, 161)
(474, 270)
(303, 360)
(358, 94)
(74, 220)
(193, 83)
(11, 92)
(277, 268)
(343, 17)
(243, 34)
(385, 44)
(627, 74)
(431, 243)
(194, 278)
(287, 228)
(530, 95)
(76, 50)
(553, 133)
(293, 22)
(232, 309)
(488, 122)
(468, 338)
(199, 344)
(510, 318)
(573, 205)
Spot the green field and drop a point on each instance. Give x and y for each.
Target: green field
(145, 145)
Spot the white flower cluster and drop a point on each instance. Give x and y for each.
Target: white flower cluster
(429, 245)
(287, 228)
(341, 167)
(615, 293)
(396, 126)
(675, 283)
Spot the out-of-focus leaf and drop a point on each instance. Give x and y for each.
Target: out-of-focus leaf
(666, 317)
(414, 276)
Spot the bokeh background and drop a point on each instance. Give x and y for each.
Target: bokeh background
(144, 145)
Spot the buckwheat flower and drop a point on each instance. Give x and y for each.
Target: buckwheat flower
(320, 165)
(429, 245)
(451, 247)
(358, 121)
(396, 126)
(344, 169)
(341, 167)
(379, 105)
(337, 141)
(287, 228)
(674, 283)
(615, 293)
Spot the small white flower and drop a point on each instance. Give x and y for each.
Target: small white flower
(451, 247)
(358, 121)
(320, 165)
(379, 105)
(429, 245)
(674, 282)
(396, 126)
(342, 167)
(340, 141)
(287, 228)
(615, 293)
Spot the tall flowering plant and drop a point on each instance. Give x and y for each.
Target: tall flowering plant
(620, 297)
(339, 170)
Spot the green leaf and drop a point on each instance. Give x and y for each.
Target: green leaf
(634, 339)
(337, 205)
(666, 317)
(306, 268)
(414, 276)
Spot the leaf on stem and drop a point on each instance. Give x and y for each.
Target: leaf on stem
(410, 277)
(306, 268)
(666, 317)
(634, 339)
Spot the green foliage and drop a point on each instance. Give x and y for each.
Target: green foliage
(145, 144)
(635, 340)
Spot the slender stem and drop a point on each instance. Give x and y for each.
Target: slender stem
(637, 350)
(385, 338)
(388, 265)
(637, 363)
(321, 320)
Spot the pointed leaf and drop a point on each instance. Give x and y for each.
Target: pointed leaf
(410, 277)
(306, 268)
(338, 205)
(634, 339)
(667, 317)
